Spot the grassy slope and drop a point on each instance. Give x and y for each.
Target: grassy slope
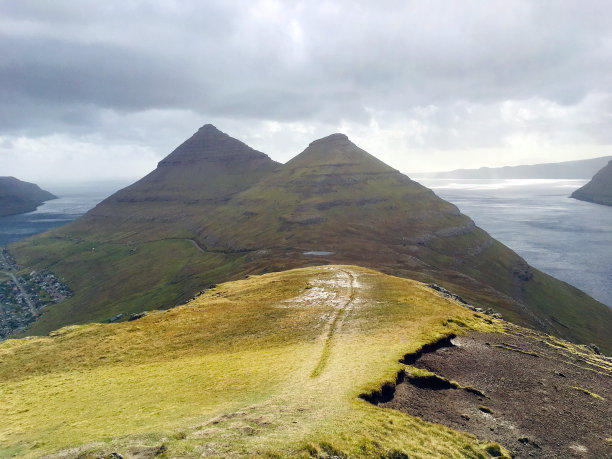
(111, 280)
(332, 197)
(263, 366)
(548, 304)
(133, 251)
(336, 197)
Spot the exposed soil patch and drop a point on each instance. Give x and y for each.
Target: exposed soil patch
(535, 395)
(447, 341)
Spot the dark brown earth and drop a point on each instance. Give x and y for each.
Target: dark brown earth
(534, 393)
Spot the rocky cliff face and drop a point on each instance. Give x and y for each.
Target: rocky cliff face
(599, 189)
(18, 197)
(216, 209)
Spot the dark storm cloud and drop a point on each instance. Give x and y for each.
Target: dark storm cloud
(69, 67)
(227, 61)
(107, 76)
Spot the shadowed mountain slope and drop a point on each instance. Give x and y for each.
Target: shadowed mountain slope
(17, 197)
(148, 247)
(599, 189)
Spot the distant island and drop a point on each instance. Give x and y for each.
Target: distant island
(580, 169)
(599, 189)
(17, 197)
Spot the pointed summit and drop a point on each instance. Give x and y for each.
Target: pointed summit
(336, 138)
(208, 167)
(209, 164)
(209, 142)
(337, 152)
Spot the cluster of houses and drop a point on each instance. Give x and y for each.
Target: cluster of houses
(23, 296)
(7, 262)
(44, 280)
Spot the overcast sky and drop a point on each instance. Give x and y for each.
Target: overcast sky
(105, 89)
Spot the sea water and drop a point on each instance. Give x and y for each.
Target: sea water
(73, 201)
(566, 238)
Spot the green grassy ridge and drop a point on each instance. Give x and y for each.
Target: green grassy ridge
(332, 197)
(231, 372)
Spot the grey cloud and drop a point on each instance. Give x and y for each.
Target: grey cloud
(411, 56)
(108, 76)
(66, 65)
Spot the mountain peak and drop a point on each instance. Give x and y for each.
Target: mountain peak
(210, 129)
(211, 143)
(337, 151)
(208, 165)
(336, 138)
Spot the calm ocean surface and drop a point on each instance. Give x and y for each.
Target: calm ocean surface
(569, 239)
(74, 201)
(566, 238)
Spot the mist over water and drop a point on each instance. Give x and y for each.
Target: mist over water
(566, 238)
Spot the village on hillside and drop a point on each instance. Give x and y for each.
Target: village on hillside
(23, 296)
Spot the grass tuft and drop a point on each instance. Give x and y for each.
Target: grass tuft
(588, 392)
(495, 450)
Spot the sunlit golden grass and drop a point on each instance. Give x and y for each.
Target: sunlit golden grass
(106, 280)
(588, 392)
(233, 373)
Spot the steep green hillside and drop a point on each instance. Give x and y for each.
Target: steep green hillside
(135, 250)
(599, 189)
(17, 197)
(267, 366)
(335, 197)
(203, 172)
(216, 210)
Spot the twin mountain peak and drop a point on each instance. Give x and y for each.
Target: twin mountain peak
(210, 145)
(215, 210)
(211, 164)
